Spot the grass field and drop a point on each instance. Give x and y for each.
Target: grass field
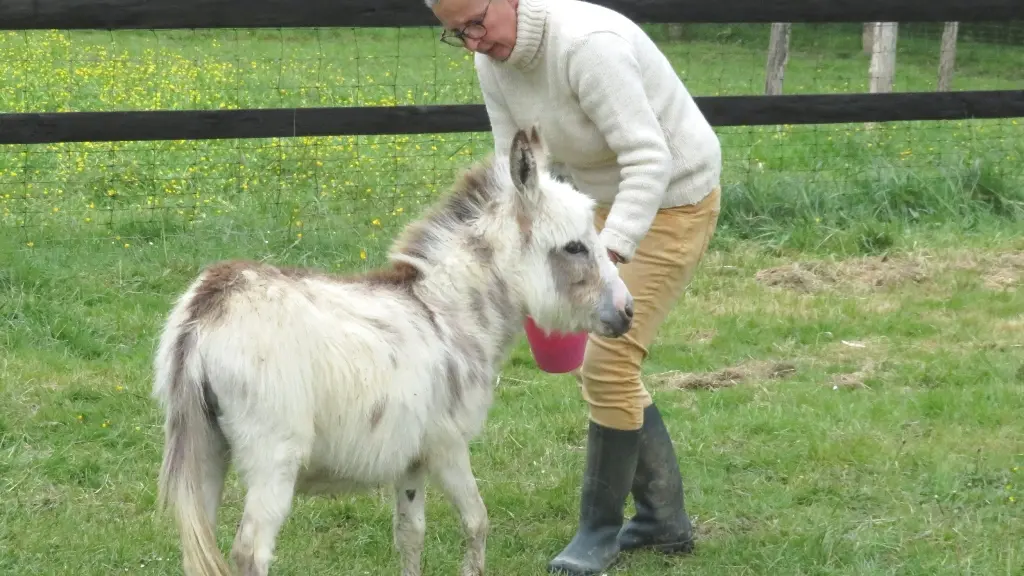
(844, 380)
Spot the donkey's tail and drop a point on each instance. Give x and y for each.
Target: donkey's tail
(191, 447)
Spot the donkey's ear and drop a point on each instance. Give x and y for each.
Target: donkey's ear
(523, 161)
(525, 165)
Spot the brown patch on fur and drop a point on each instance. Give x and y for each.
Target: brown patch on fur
(376, 413)
(398, 275)
(723, 378)
(300, 273)
(219, 282)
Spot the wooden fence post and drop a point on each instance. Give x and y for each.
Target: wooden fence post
(883, 57)
(883, 60)
(947, 56)
(778, 56)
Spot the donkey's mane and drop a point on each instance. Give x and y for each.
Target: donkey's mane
(470, 198)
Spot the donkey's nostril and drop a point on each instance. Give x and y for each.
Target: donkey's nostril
(629, 310)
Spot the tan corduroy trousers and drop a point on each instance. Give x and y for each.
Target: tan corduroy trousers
(663, 266)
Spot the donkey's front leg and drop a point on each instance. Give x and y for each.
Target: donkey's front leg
(409, 523)
(451, 470)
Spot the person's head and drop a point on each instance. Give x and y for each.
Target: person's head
(485, 26)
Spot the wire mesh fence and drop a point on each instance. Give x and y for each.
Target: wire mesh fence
(343, 197)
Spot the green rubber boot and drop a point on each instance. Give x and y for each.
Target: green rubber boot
(611, 460)
(661, 522)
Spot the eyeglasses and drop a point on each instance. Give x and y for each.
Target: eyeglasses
(474, 31)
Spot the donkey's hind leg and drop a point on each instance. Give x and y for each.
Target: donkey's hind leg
(270, 477)
(450, 468)
(410, 524)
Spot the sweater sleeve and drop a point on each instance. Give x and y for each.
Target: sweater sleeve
(604, 73)
(503, 128)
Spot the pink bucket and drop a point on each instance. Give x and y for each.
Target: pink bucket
(555, 353)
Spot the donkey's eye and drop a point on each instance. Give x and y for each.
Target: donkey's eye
(575, 247)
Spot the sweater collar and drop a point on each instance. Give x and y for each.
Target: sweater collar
(531, 24)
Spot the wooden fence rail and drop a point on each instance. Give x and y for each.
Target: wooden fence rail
(360, 120)
(287, 122)
(163, 14)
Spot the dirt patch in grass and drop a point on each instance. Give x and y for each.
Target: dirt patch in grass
(1001, 281)
(757, 371)
(1011, 327)
(873, 272)
(763, 371)
(1001, 271)
(1004, 271)
(853, 380)
(798, 276)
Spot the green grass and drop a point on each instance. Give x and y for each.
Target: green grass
(894, 445)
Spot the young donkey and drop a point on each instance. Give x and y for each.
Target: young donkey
(316, 384)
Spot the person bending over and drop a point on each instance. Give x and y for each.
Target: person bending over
(621, 124)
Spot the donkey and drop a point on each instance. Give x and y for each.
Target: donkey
(316, 384)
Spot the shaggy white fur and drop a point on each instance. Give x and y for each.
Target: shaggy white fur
(314, 383)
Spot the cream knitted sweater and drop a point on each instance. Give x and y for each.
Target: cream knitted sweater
(610, 108)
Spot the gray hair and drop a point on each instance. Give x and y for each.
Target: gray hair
(431, 3)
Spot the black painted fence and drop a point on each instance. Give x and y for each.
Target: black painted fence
(289, 122)
(285, 122)
(162, 14)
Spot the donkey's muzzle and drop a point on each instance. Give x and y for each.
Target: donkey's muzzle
(617, 321)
